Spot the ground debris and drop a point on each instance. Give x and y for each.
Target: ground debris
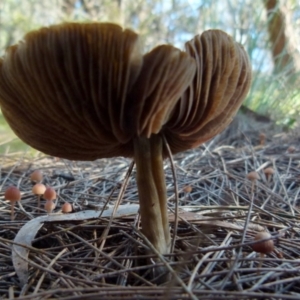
(106, 258)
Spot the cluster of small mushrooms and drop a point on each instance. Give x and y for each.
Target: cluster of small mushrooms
(13, 195)
(40, 189)
(87, 91)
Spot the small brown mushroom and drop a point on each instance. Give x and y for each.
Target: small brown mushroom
(291, 149)
(39, 190)
(36, 176)
(49, 194)
(187, 189)
(269, 172)
(67, 208)
(263, 247)
(109, 99)
(253, 176)
(13, 195)
(262, 139)
(49, 206)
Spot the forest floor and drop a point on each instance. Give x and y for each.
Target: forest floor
(98, 251)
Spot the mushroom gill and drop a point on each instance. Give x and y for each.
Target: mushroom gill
(86, 91)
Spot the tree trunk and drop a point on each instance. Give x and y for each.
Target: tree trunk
(283, 52)
(68, 7)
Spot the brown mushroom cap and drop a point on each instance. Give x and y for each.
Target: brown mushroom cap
(98, 91)
(187, 189)
(67, 207)
(49, 194)
(49, 206)
(291, 149)
(264, 247)
(269, 171)
(262, 138)
(12, 194)
(38, 189)
(253, 176)
(36, 176)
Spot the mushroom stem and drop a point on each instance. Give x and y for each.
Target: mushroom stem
(12, 212)
(39, 203)
(148, 154)
(261, 256)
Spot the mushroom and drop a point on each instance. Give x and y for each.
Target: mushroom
(262, 139)
(253, 176)
(49, 206)
(263, 247)
(36, 176)
(102, 98)
(291, 149)
(269, 172)
(67, 208)
(49, 194)
(39, 190)
(187, 189)
(13, 195)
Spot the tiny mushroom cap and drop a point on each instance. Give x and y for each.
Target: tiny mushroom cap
(38, 189)
(49, 194)
(122, 102)
(49, 206)
(263, 247)
(187, 189)
(269, 171)
(262, 138)
(36, 176)
(291, 149)
(253, 176)
(12, 194)
(67, 207)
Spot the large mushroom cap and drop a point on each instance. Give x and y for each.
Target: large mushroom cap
(85, 91)
(221, 82)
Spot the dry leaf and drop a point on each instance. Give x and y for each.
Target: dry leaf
(28, 232)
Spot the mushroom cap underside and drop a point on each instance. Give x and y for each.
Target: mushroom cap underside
(85, 91)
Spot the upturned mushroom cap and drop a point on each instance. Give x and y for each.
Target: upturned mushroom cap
(85, 91)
